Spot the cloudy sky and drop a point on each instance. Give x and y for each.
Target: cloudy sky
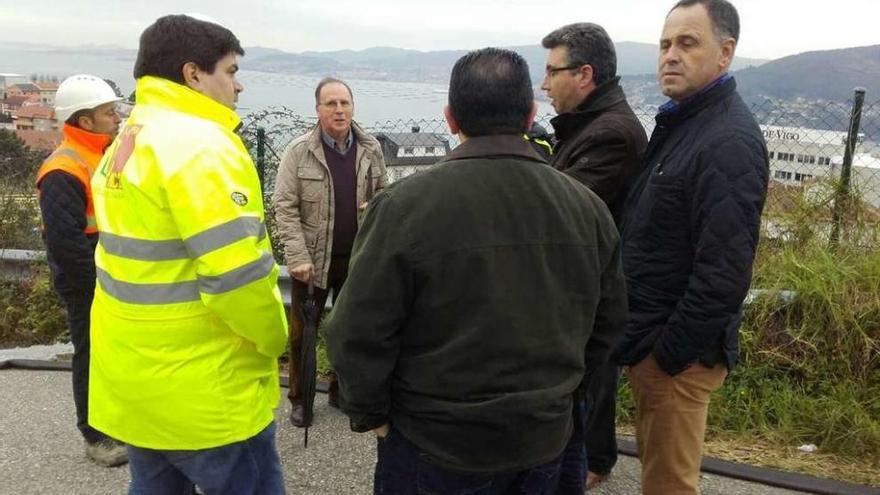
(770, 28)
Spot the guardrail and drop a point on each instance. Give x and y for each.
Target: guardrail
(15, 264)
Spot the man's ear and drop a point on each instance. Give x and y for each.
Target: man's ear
(191, 74)
(532, 115)
(587, 72)
(454, 128)
(728, 49)
(85, 122)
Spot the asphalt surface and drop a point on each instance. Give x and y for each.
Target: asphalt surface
(41, 451)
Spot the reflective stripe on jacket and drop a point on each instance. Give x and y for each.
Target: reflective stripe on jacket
(78, 155)
(187, 322)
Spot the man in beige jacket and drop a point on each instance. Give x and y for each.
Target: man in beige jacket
(325, 179)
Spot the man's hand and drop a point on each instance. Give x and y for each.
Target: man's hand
(303, 272)
(363, 206)
(383, 430)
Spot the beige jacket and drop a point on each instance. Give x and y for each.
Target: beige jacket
(303, 198)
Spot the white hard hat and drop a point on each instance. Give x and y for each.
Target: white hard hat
(81, 92)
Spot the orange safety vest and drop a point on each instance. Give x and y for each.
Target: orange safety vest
(78, 156)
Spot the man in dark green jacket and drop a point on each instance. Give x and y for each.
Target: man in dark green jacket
(474, 289)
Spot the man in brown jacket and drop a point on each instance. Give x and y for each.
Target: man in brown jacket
(600, 142)
(325, 179)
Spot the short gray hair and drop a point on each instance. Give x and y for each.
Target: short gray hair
(330, 80)
(588, 44)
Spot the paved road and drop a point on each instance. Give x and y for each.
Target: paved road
(41, 451)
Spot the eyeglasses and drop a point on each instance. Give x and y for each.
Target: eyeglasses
(550, 70)
(345, 104)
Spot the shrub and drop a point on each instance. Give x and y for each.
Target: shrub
(30, 311)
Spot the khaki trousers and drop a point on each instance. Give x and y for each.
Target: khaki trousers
(671, 416)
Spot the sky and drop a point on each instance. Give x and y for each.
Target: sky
(770, 28)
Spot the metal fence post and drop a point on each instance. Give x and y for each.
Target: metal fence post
(261, 156)
(842, 197)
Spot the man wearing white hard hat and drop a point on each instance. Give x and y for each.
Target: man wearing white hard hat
(86, 106)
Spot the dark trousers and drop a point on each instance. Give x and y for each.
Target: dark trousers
(78, 316)
(600, 436)
(299, 292)
(573, 472)
(403, 469)
(249, 466)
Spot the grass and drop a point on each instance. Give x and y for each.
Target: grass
(758, 451)
(30, 312)
(809, 369)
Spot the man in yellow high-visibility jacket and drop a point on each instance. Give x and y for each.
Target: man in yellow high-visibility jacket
(187, 321)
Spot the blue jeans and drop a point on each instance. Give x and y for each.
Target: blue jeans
(403, 469)
(248, 467)
(573, 472)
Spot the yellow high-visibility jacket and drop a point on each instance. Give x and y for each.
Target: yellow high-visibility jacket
(187, 321)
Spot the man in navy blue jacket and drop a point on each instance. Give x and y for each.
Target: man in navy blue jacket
(689, 240)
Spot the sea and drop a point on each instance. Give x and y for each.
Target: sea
(388, 104)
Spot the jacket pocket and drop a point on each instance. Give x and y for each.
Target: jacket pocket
(311, 185)
(669, 209)
(375, 182)
(310, 213)
(311, 237)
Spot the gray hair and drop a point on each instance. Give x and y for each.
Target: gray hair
(588, 44)
(331, 80)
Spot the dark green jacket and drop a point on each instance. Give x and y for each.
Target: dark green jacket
(473, 290)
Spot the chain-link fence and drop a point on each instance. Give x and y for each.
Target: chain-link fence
(817, 192)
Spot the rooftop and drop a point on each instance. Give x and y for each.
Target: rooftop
(35, 112)
(15, 101)
(414, 138)
(40, 140)
(26, 87)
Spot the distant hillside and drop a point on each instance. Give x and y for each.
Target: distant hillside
(398, 64)
(823, 75)
(377, 63)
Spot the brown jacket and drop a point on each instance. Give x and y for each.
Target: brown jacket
(601, 144)
(303, 198)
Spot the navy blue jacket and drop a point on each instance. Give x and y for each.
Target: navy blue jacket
(69, 250)
(691, 230)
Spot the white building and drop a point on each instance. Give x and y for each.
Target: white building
(7, 79)
(409, 152)
(800, 155)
